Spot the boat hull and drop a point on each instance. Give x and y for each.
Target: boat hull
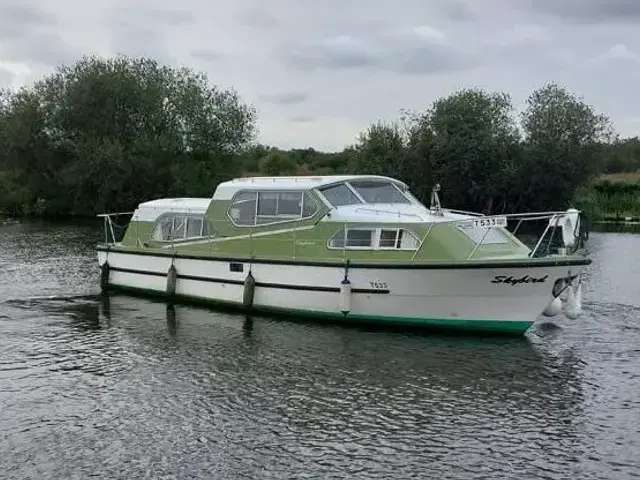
(483, 297)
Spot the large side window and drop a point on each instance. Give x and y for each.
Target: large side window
(265, 208)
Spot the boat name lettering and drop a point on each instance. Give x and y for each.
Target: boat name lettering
(378, 285)
(511, 280)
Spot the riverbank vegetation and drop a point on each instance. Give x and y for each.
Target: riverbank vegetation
(105, 134)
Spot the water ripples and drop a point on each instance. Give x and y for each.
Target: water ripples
(118, 387)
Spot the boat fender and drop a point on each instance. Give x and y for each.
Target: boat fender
(554, 308)
(104, 275)
(573, 303)
(249, 290)
(345, 296)
(172, 278)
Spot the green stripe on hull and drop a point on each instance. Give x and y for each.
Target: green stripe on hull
(466, 325)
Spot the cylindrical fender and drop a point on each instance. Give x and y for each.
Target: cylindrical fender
(104, 275)
(172, 279)
(345, 296)
(249, 290)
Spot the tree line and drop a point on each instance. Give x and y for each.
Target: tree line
(106, 134)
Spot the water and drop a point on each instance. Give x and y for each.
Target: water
(123, 388)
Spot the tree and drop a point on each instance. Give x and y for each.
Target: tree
(109, 133)
(470, 138)
(276, 163)
(564, 142)
(380, 150)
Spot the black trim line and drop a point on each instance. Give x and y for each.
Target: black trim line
(475, 264)
(282, 286)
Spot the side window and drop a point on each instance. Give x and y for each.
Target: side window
(388, 238)
(354, 238)
(243, 208)
(309, 205)
(264, 208)
(176, 226)
(383, 239)
(194, 227)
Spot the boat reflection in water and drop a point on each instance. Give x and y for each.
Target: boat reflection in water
(337, 371)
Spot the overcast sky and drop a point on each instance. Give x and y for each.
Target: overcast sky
(319, 72)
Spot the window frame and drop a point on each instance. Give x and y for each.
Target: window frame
(375, 239)
(285, 218)
(202, 217)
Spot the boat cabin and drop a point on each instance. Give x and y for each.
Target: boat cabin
(362, 214)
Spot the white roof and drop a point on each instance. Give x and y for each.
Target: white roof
(149, 211)
(226, 190)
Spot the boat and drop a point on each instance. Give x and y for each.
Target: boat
(349, 248)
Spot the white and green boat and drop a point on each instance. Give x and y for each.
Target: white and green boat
(357, 248)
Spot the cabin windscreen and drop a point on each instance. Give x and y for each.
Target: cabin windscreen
(379, 192)
(357, 192)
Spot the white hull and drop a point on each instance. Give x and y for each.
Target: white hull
(461, 297)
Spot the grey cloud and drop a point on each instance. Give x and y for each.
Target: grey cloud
(18, 19)
(302, 119)
(47, 49)
(152, 16)
(589, 11)
(286, 98)
(257, 18)
(207, 55)
(458, 11)
(408, 54)
(331, 58)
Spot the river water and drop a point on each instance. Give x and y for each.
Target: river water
(122, 388)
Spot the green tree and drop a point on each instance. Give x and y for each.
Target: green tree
(380, 150)
(564, 144)
(470, 138)
(278, 163)
(108, 133)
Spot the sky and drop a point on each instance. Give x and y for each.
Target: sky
(319, 72)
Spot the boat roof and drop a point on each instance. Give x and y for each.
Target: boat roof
(177, 204)
(226, 190)
(151, 210)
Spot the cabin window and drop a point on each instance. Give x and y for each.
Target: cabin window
(243, 208)
(266, 208)
(375, 239)
(339, 195)
(379, 192)
(179, 226)
(388, 238)
(354, 238)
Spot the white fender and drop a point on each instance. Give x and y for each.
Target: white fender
(554, 308)
(578, 299)
(345, 296)
(571, 305)
(172, 278)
